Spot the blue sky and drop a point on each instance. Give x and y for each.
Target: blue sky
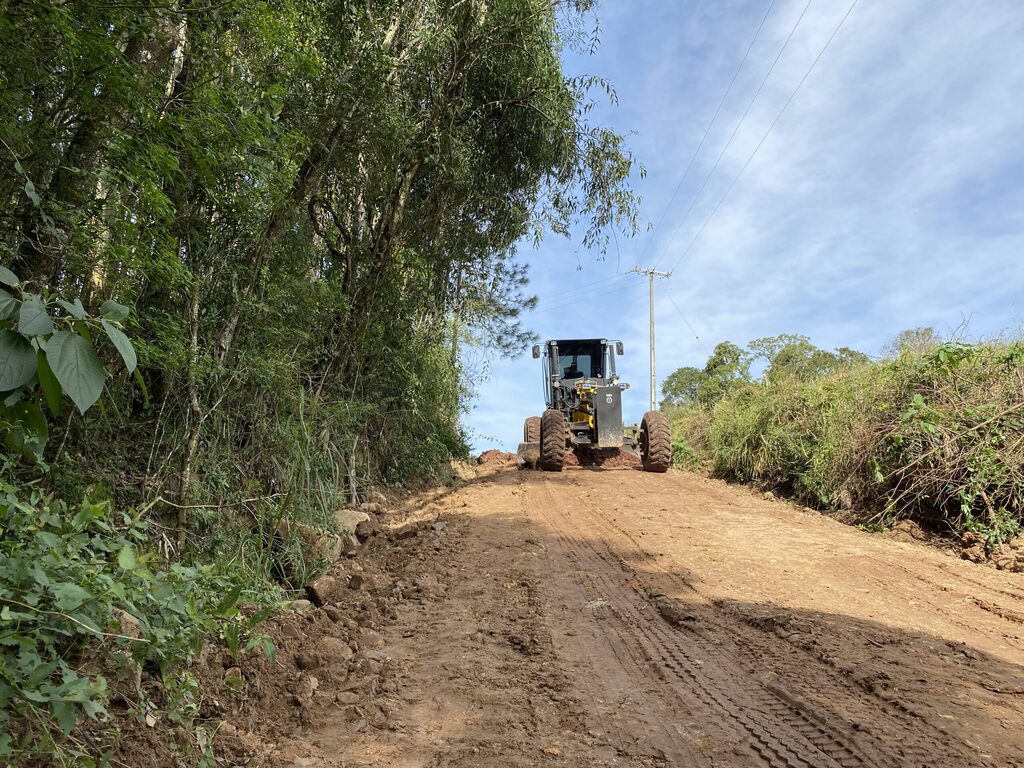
(889, 194)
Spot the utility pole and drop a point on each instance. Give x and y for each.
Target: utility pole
(651, 274)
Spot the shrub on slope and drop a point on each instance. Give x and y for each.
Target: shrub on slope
(938, 436)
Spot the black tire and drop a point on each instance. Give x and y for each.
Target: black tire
(655, 442)
(531, 430)
(552, 441)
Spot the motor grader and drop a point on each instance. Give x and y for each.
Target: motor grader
(583, 394)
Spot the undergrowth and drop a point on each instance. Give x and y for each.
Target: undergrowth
(85, 607)
(937, 436)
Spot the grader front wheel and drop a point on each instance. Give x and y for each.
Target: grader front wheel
(531, 430)
(552, 441)
(655, 442)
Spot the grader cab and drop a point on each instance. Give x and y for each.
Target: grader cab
(583, 395)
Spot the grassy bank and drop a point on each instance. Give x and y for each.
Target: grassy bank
(935, 436)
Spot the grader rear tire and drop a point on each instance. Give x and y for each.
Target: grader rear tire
(531, 430)
(552, 441)
(655, 442)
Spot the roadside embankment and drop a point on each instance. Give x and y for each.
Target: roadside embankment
(937, 438)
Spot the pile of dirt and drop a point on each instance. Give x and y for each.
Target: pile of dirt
(329, 657)
(1005, 557)
(597, 457)
(607, 457)
(495, 456)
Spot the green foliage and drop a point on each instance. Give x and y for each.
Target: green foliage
(299, 200)
(913, 342)
(80, 589)
(684, 455)
(681, 387)
(792, 355)
(727, 368)
(45, 352)
(939, 436)
(795, 435)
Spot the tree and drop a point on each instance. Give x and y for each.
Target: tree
(769, 347)
(307, 204)
(794, 355)
(914, 342)
(847, 356)
(303, 205)
(727, 367)
(681, 387)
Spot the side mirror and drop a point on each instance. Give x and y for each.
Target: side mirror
(536, 350)
(618, 347)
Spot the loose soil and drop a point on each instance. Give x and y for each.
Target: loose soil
(608, 617)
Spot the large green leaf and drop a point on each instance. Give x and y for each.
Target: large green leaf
(64, 713)
(111, 310)
(69, 596)
(126, 558)
(16, 396)
(226, 606)
(49, 383)
(17, 361)
(33, 195)
(76, 309)
(123, 345)
(34, 320)
(7, 277)
(79, 371)
(8, 304)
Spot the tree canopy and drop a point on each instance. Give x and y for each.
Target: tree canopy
(729, 366)
(299, 198)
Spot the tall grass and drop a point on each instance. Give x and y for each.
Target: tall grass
(938, 437)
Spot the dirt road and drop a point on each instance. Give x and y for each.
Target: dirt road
(606, 617)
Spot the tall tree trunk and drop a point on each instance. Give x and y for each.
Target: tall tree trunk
(73, 184)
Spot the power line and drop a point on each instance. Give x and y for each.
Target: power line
(584, 287)
(707, 130)
(556, 301)
(576, 289)
(766, 133)
(702, 345)
(735, 130)
(579, 299)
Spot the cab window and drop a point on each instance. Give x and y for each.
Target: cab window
(579, 360)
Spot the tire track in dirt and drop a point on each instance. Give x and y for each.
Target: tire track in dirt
(781, 731)
(945, 691)
(898, 727)
(575, 586)
(729, 625)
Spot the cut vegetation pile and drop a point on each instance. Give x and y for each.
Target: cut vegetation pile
(937, 436)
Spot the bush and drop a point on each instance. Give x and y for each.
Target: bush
(938, 436)
(684, 455)
(83, 600)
